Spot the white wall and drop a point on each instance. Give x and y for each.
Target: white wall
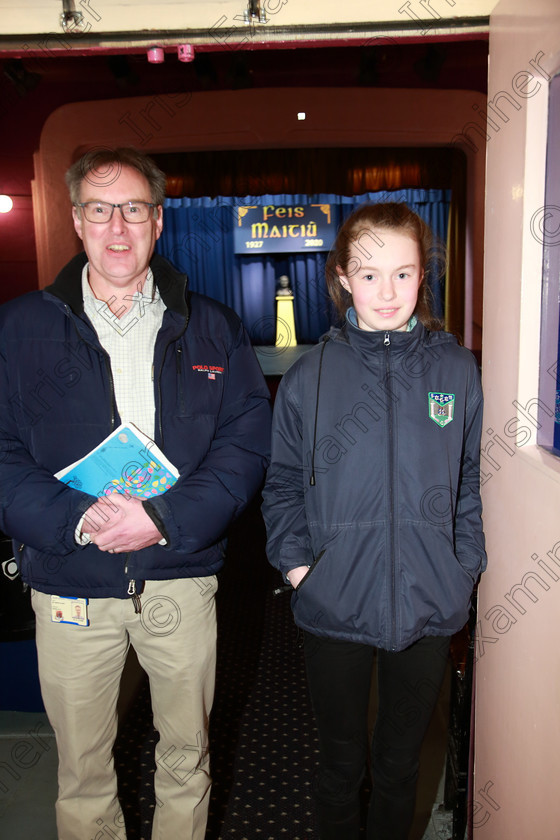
(517, 745)
(39, 16)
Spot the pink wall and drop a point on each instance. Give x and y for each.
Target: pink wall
(18, 267)
(517, 743)
(256, 119)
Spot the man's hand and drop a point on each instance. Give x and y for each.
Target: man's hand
(118, 523)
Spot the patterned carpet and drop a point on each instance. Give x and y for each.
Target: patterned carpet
(262, 736)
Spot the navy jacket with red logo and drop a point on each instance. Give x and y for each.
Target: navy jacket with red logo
(374, 484)
(57, 403)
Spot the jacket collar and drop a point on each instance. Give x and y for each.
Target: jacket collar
(172, 285)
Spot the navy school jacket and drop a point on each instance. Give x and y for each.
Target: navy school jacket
(374, 484)
(57, 403)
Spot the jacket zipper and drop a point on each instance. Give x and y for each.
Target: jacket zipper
(390, 454)
(112, 383)
(106, 360)
(178, 367)
(134, 594)
(178, 363)
(132, 583)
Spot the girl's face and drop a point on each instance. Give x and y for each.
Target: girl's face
(383, 276)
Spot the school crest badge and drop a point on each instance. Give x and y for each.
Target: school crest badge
(441, 407)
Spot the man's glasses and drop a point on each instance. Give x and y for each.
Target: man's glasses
(100, 212)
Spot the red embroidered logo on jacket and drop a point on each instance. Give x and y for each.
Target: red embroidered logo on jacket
(209, 370)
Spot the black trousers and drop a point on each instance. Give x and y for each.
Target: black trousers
(339, 677)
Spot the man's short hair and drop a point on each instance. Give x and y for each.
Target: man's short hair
(101, 167)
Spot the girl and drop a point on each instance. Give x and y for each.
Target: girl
(374, 517)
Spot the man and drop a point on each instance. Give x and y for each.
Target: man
(117, 337)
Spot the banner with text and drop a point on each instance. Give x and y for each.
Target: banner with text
(275, 229)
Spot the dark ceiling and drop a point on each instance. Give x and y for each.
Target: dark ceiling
(450, 64)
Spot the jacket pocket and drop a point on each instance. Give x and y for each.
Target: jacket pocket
(310, 570)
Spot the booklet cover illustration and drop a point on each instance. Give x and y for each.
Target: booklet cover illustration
(127, 461)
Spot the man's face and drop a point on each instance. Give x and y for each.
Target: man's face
(119, 252)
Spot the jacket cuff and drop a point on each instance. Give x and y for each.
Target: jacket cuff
(157, 520)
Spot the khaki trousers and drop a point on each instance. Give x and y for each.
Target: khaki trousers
(80, 669)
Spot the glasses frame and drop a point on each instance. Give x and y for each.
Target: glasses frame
(84, 204)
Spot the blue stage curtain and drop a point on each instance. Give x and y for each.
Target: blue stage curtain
(198, 239)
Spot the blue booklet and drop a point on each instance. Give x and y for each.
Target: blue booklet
(127, 461)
